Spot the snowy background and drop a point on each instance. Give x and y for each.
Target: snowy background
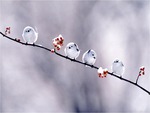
(33, 80)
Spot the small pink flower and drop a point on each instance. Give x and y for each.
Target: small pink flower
(58, 42)
(52, 50)
(102, 72)
(142, 71)
(7, 31)
(142, 68)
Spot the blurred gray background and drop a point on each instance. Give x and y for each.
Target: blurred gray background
(33, 80)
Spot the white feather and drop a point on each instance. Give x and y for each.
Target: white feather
(72, 50)
(29, 35)
(118, 67)
(89, 57)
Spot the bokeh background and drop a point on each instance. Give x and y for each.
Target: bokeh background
(33, 80)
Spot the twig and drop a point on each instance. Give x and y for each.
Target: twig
(77, 61)
(137, 79)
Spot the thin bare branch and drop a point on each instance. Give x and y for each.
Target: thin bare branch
(77, 61)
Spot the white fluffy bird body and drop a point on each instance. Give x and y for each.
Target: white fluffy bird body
(29, 35)
(118, 67)
(89, 57)
(72, 51)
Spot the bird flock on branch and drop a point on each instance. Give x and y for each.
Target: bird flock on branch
(72, 51)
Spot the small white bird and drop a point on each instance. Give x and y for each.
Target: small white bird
(29, 35)
(89, 57)
(72, 51)
(118, 67)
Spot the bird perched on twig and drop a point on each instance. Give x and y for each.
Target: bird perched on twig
(29, 35)
(118, 67)
(72, 50)
(89, 57)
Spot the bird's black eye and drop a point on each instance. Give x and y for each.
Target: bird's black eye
(28, 30)
(116, 61)
(69, 47)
